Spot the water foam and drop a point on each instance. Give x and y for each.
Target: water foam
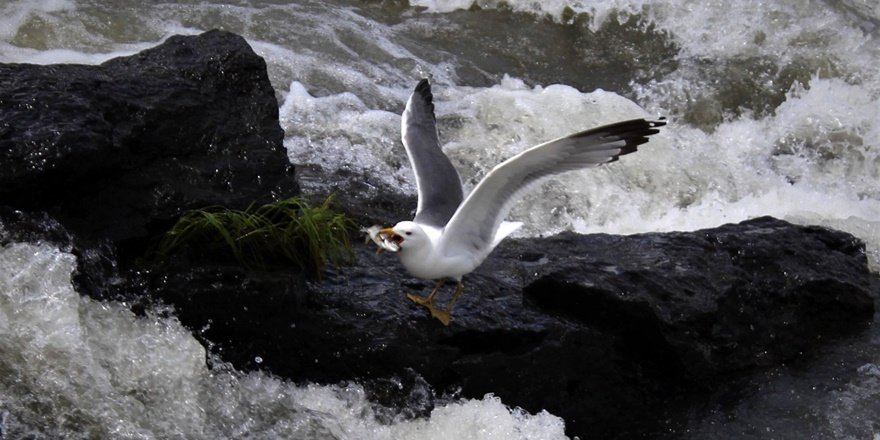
(341, 132)
(805, 150)
(66, 31)
(80, 368)
(814, 161)
(599, 11)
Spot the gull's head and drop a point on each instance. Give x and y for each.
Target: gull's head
(406, 235)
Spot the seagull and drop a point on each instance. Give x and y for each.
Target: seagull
(450, 235)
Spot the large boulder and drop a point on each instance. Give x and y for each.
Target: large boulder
(613, 333)
(118, 150)
(715, 301)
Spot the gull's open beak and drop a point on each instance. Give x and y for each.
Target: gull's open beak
(389, 234)
(385, 237)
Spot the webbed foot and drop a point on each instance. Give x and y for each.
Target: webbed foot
(427, 302)
(442, 315)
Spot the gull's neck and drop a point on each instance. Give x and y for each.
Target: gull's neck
(422, 261)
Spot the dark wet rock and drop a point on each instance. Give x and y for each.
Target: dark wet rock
(720, 300)
(33, 227)
(612, 333)
(364, 198)
(609, 332)
(120, 149)
(97, 271)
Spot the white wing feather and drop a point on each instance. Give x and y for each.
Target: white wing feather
(474, 225)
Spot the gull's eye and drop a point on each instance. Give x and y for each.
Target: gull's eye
(408, 232)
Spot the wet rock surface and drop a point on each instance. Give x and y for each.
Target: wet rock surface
(120, 149)
(611, 333)
(616, 334)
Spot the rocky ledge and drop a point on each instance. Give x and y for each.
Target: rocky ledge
(616, 334)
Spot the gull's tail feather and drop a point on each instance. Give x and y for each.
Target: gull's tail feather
(505, 229)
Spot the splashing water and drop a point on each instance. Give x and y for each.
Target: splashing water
(80, 368)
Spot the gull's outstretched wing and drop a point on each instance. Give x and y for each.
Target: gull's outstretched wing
(473, 227)
(439, 185)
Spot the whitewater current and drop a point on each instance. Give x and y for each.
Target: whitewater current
(773, 109)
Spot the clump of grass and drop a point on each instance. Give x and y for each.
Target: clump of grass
(290, 230)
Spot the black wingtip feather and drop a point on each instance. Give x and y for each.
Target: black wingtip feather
(636, 141)
(634, 132)
(628, 149)
(423, 88)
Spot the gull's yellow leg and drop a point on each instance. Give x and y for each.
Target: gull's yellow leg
(426, 301)
(445, 316)
(458, 291)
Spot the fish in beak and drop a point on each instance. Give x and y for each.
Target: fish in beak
(385, 238)
(391, 240)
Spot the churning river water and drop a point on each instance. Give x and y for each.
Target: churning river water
(774, 109)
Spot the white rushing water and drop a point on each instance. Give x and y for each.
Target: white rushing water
(80, 368)
(814, 159)
(774, 109)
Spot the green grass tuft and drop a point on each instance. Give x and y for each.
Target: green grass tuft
(309, 237)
